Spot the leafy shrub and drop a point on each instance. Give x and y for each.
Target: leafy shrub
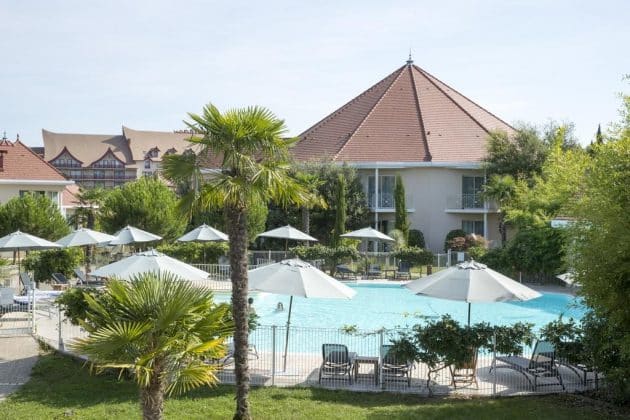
(332, 256)
(414, 255)
(74, 303)
(447, 341)
(416, 238)
(497, 259)
(455, 233)
(44, 263)
(537, 252)
(193, 252)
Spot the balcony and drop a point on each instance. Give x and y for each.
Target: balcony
(386, 203)
(469, 203)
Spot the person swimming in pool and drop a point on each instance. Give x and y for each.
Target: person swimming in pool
(279, 307)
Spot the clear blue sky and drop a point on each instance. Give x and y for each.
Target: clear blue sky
(90, 67)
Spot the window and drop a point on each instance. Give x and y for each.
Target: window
(386, 185)
(472, 186)
(473, 226)
(147, 164)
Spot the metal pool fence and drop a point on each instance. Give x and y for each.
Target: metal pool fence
(367, 366)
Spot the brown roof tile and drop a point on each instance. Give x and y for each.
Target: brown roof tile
(20, 162)
(410, 116)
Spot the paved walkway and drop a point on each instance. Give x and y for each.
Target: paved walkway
(17, 358)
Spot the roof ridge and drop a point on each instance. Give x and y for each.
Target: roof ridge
(41, 159)
(347, 104)
(419, 111)
(400, 70)
(454, 101)
(429, 76)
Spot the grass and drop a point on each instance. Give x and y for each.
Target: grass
(62, 388)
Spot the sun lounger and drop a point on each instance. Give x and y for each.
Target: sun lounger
(374, 271)
(27, 283)
(345, 272)
(60, 279)
(403, 271)
(83, 280)
(337, 362)
(228, 359)
(542, 364)
(393, 369)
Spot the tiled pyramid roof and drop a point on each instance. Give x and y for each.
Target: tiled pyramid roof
(409, 116)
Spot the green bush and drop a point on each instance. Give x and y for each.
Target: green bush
(537, 252)
(34, 214)
(416, 238)
(446, 341)
(498, 260)
(455, 233)
(44, 263)
(74, 304)
(193, 252)
(332, 256)
(414, 255)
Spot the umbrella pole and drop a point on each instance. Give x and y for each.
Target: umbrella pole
(286, 338)
(469, 314)
(286, 248)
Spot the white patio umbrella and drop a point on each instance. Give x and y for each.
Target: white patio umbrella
(17, 241)
(85, 237)
(149, 261)
(367, 233)
(471, 282)
(203, 233)
(287, 233)
(296, 278)
(131, 235)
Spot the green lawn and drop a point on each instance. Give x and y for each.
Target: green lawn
(62, 388)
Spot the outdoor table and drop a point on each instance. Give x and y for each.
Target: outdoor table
(366, 360)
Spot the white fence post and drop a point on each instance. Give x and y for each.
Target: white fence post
(60, 339)
(494, 363)
(273, 355)
(380, 358)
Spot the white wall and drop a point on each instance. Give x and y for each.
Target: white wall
(427, 190)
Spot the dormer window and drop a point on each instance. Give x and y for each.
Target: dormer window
(153, 153)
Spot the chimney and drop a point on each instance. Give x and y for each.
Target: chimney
(2, 153)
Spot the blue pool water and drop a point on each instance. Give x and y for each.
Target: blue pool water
(388, 306)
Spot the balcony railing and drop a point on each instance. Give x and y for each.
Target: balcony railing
(386, 201)
(472, 201)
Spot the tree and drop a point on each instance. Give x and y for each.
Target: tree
(34, 214)
(500, 188)
(312, 183)
(340, 211)
(600, 249)
(254, 169)
(521, 156)
(402, 222)
(416, 238)
(599, 137)
(45, 263)
(147, 204)
(90, 201)
(161, 329)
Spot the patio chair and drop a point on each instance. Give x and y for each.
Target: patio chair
(27, 283)
(228, 359)
(403, 271)
(392, 369)
(346, 272)
(337, 362)
(542, 364)
(465, 373)
(374, 271)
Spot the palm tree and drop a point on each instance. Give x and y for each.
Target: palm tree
(501, 189)
(161, 329)
(254, 169)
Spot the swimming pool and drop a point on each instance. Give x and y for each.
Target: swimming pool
(390, 306)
